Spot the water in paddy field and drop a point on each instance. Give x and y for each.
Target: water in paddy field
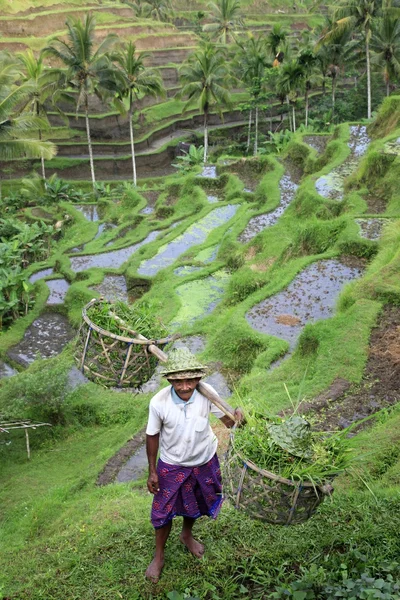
(6, 370)
(209, 171)
(109, 260)
(147, 210)
(392, 147)
(196, 234)
(287, 188)
(311, 296)
(200, 297)
(332, 185)
(40, 275)
(112, 288)
(186, 270)
(318, 142)
(371, 229)
(208, 255)
(90, 211)
(47, 336)
(58, 289)
(103, 227)
(212, 199)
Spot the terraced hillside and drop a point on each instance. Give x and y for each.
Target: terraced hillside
(161, 123)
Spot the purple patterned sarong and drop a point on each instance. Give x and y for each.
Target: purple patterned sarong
(187, 492)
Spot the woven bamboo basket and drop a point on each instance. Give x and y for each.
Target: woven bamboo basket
(266, 496)
(115, 360)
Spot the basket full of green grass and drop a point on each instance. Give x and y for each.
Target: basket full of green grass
(117, 342)
(279, 470)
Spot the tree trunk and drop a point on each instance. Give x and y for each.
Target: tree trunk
(290, 120)
(306, 99)
(368, 77)
(256, 132)
(294, 118)
(89, 140)
(132, 147)
(333, 95)
(249, 133)
(205, 137)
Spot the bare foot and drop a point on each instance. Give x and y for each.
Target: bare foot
(192, 545)
(154, 569)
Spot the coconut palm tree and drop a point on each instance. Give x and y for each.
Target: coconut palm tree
(385, 44)
(226, 18)
(18, 131)
(291, 81)
(276, 42)
(205, 80)
(252, 63)
(357, 16)
(86, 70)
(45, 84)
(134, 80)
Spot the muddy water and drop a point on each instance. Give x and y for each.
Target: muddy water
(46, 336)
(6, 370)
(40, 275)
(287, 188)
(209, 171)
(318, 142)
(332, 185)
(58, 289)
(113, 287)
(90, 211)
(200, 297)
(311, 296)
(392, 147)
(109, 260)
(194, 235)
(371, 229)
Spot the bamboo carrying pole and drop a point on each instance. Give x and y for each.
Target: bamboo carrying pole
(214, 398)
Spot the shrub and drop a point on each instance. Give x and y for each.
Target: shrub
(308, 341)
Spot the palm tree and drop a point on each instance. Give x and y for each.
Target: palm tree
(226, 20)
(275, 42)
(45, 84)
(357, 15)
(88, 71)
(205, 80)
(135, 80)
(291, 81)
(385, 43)
(18, 131)
(251, 65)
(307, 60)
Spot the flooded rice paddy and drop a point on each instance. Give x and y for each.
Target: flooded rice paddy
(311, 296)
(41, 275)
(318, 142)
(287, 188)
(109, 260)
(332, 185)
(58, 289)
(113, 287)
(89, 211)
(196, 234)
(209, 171)
(47, 337)
(371, 229)
(200, 297)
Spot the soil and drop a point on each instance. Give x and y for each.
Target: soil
(344, 403)
(376, 205)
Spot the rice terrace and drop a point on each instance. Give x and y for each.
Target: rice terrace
(217, 179)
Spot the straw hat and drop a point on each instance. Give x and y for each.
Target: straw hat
(182, 364)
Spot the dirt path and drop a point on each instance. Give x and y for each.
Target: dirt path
(344, 403)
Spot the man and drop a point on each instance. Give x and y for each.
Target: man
(186, 481)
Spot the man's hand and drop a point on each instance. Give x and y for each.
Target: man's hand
(239, 417)
(152, 483)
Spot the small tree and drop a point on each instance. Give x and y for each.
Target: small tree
(133, 80)
(226, 19)
(87, 70)
(205, 80)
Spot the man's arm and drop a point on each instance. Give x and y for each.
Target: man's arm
(152, 443)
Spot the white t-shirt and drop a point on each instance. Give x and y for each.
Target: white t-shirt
(186, 437)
